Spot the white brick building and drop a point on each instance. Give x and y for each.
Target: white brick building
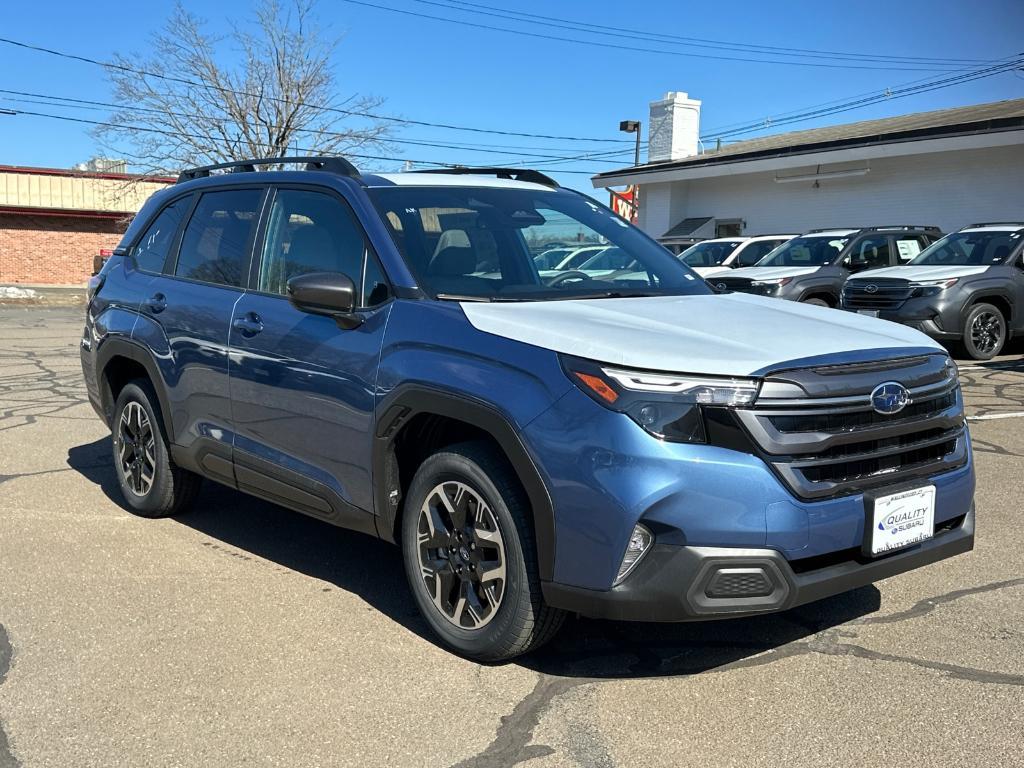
(946, 168)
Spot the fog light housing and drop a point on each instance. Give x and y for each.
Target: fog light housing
(640, 541)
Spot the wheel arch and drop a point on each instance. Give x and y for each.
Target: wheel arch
(116, 360)
(1000, 299)
(403, 407)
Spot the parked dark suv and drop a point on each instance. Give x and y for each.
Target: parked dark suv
(967, 288)
(383, 353)
(812, 268)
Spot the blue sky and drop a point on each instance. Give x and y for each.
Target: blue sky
(442, 72)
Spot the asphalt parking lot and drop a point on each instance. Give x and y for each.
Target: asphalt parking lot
(242, 633)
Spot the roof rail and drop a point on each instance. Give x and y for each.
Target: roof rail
(515, 174)
(337, 165)
(831, 229)
(996, 224)
(924, 227)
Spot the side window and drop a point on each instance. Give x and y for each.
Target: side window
(154, 245)
(309, 232)
(375, 285)
(908, 246)
(871, 252)
(754, 252)
(213, 248)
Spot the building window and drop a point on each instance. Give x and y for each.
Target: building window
(728, 227)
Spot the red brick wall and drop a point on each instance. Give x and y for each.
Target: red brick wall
(53, 250)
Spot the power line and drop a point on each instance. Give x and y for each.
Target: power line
(148, 129)
(887, 95)
(697, 42)
(617, 46)
(299, 103)
(68, 101)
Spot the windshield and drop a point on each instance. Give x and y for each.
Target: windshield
(970, 248)
(708, 254)
(810, 251)
(485, 243)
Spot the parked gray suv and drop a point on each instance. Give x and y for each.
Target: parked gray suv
(812, 268)
(967, 288)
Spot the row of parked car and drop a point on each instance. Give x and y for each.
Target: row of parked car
(965, 288)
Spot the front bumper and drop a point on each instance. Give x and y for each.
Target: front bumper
(692, 583)
(937, 317)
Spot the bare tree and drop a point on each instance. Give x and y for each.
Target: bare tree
(265, 90)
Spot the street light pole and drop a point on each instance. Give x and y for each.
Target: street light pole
(632, 126)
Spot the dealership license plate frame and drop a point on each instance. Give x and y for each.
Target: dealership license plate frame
(895, 501)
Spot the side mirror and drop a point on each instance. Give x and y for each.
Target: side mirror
(326, 293)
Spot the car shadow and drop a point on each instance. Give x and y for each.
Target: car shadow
(372, 570)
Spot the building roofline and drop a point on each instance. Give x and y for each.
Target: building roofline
(37, 171)
(804, 143)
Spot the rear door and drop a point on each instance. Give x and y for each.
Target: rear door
(186, 316)
(302, 388)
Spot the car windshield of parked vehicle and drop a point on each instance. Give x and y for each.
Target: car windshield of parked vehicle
(810, 251)
(970, 248)
(708, 254)
(482, 243)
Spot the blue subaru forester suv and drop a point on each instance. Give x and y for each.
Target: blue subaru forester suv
(382, 352)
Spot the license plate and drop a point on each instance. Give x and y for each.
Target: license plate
(900, 520)
(868, 312)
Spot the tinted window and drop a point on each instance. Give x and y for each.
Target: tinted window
(809, 251)
(709, 254)
(154, 246)
(213, 248)
(754, 252)
(870, 252)
(375, 285)
(475, 241)
(971, 248)
(309, 232)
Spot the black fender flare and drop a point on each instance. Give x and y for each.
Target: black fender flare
(820, 290)
(979, 295)
(409, 400)
(119, 346)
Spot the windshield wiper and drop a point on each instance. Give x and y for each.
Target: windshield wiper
(470, 297)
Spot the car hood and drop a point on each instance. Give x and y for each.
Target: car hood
(730, 334)
(922, 272)
(771, 273)
(709, 271)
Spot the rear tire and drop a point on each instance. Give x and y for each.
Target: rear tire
(151, 483)
(984, 332)
(467, 543)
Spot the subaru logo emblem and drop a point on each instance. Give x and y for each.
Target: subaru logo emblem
(890, 397)
(870, 288)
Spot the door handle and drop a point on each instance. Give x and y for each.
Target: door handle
(249, 324)
(157, 303)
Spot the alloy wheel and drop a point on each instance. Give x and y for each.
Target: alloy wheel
(136, 448)
(986, 332)
(462, 555)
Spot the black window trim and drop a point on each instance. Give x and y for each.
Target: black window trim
(252, 284)
(171, 262)
(175, 239)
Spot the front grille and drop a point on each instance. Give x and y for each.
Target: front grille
(740, 285)
(847, 422)
(881, 294)
(832, 442)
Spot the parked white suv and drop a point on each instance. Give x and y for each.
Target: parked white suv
(721, 254)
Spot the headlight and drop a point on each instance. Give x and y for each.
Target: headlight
(952, 371)
(932, 287)
(776, 283)
(666, 405)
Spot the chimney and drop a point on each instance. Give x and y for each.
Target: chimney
(673, 128)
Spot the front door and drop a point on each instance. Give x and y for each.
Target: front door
(302, 388)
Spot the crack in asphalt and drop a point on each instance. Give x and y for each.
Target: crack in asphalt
(511, 744)
(7, 759)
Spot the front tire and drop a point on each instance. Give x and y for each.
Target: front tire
(984, 332)
(816, 302)
(151, 483)
(467, 542)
